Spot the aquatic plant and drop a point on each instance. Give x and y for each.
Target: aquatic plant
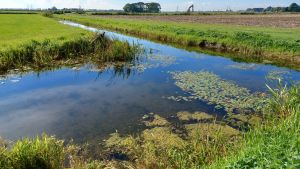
(209, 87)
(187, 116)
(243, 66)
(165, 147)
(277, 74)
(152, 60)
(156, 121)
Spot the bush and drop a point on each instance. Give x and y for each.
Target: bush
(48, 14)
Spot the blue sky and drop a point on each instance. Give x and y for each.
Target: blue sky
(167, 5)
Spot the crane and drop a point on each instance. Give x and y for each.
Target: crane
(191, 9)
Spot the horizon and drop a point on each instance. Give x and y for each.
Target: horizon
(167, 5)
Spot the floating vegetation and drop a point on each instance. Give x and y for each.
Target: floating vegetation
(277, 74)
(161, 147)
(209, 87)
(243, 66)
(155, 61)
(187, 116)
(240, 120)
(163, 137)
(155, 120)
(210, 129)
(12, 78)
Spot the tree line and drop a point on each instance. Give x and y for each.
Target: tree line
(141, 7)
(294, 7)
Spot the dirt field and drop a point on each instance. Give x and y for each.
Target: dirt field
(280, 21)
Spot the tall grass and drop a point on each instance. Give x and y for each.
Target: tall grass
(49, 53)
(45, 152)
(275, 144)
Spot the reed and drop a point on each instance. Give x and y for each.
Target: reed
(49, 53)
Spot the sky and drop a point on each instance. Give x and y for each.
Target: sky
(167, 5)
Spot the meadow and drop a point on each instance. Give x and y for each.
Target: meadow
(18, 29)
(261, 43)
(35, 42)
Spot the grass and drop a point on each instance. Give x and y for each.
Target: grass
(37, 42)
(275, 144)
(19, 29)
(44, 152)
(256, 42)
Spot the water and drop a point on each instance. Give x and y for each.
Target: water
(86, 105)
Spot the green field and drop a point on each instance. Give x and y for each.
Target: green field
(19, 29)
(259, 42)
(36, 42)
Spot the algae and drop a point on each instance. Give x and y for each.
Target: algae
(187, 116)
(154, 61)
(277, 74)
(163, 137)
(243, 66)
(213, 130)
(156, 121)
(209, 87)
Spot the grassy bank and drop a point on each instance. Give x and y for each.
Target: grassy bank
(255, 42)
(272, 144)
(36, 42)
(275, 144)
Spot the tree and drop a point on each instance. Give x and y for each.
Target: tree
(53, 8)
(139, 7)
(142, 7)
(153, 7)
(294, 8)
(129, 8)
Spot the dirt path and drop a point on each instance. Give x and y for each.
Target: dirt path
(279, 21)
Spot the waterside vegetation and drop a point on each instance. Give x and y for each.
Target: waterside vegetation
(259, 43)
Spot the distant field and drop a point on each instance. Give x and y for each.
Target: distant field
(16, 29)
(280, 20)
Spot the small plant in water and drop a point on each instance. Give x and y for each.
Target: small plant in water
(207, 86)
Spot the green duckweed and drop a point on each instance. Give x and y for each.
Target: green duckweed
(209, 87)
